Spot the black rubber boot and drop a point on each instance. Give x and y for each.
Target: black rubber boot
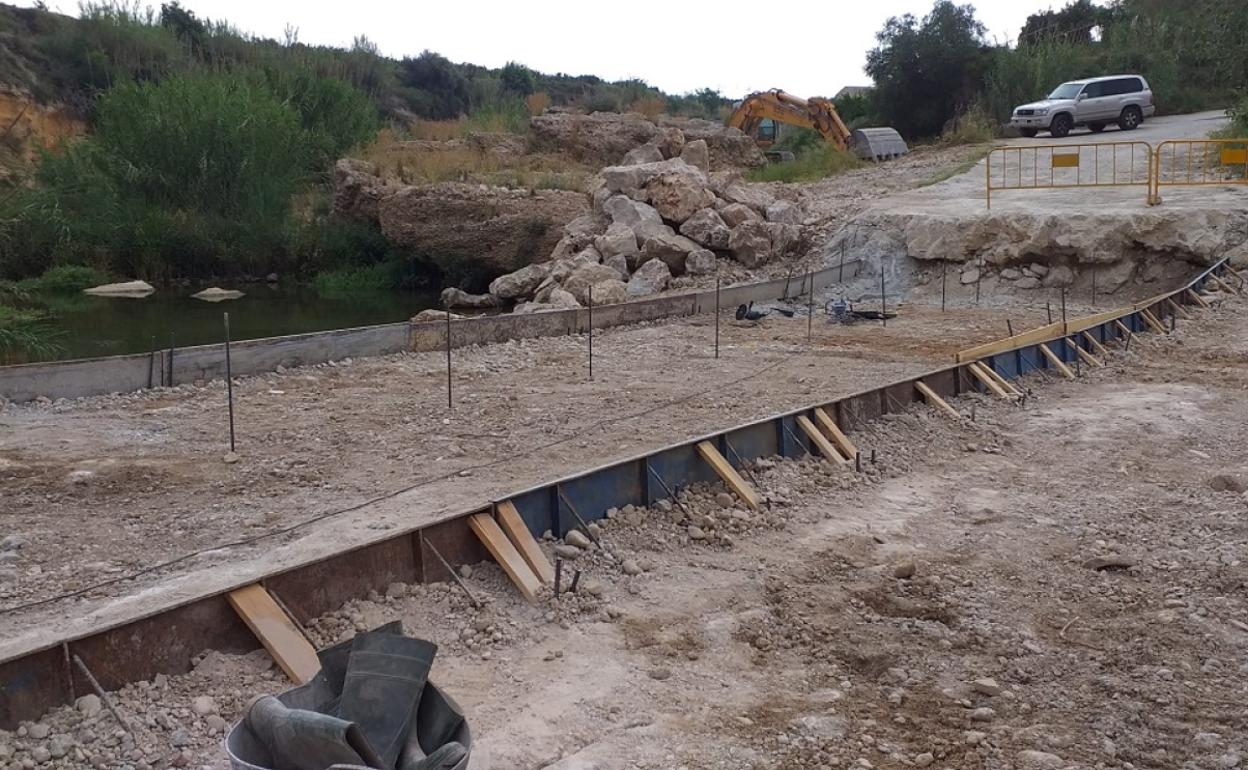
(306, 740)
(385, 677)
(450, 756)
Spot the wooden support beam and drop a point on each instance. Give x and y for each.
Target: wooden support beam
(935, 400)
(1178, 309)
(511, 523)
(829, 426)
(1086, 357)
(1058, 363)
(1005, 384)
(1095, 343)
(492, 537)
(1123, 328)
(821, 442)
(729, 474)
(1199, 300)
(276, 631)
(987, 380)
(1152, 321)
(1223, 284)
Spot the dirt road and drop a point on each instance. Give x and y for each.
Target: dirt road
(1059, 585)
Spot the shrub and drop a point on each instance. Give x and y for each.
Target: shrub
(537, 103)
(65, 279)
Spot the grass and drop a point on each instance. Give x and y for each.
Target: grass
(26, 333)
(64, 279)
(420, 163)
(811, 165)
(976, 156)
(349, 281)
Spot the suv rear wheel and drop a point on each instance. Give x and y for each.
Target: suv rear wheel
(1061, 125)
(1130, 119)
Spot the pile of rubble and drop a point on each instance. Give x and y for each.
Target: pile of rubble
(656, 216)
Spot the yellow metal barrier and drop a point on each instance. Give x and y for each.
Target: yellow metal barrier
(1064, 166)
(1196, 162)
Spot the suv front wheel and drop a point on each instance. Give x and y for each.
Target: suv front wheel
(1061, 125)
(1130, 119)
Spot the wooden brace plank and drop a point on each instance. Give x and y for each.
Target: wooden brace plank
(276, 631)
(1225, 286)
(1152, 321)
(1005, 384)
(492, 537)
(1123, 328)
(1058, 363)
(829, 426)
(821, 442)
(935, 400)
(1087, 357)
(987, 381)
(729, 474)
(1095, 343)
(1178, 309)
(511, 523)
(1195, 295)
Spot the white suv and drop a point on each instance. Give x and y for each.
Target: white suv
(1095, 103)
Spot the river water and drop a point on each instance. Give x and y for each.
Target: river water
(107, 326)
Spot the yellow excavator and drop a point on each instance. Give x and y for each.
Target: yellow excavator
(818, 113)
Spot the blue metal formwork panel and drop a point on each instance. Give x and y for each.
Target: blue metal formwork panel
(1030, 359)
(750, 442)
(1006, 364)
(679, 467)
(536, 508)
(793, 443)
(593, 493)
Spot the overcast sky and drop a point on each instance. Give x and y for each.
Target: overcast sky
(808, 48)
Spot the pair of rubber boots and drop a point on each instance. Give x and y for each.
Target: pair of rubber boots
(373, 722)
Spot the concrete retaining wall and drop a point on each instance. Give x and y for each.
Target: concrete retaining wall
(120, 374)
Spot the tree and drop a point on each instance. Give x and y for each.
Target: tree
(927, 72)
(442, 88)
(184, 24)
(517, 79)
(1072, 24)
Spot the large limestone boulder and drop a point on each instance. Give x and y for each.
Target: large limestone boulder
(619, 262)
(650, 278)
(734, 214)
(647, 153)
(453, 297)
(727, 147)
(562, 299)
(697, 154)
(619, 239)
(610, 292)
(701, 262)
(672, 250)
(750, 243)
(626, 179)
(677, 195)
(621, 209)
(707, 228)
(784, 212)
(132, 289)
(755, 196)
(358, 190)
(495, 229)
(585, 276)
(521, 283)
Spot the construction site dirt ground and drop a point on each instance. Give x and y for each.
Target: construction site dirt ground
(1057, 584)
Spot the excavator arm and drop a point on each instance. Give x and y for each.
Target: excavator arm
(818, 114)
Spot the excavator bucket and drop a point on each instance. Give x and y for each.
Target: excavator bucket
(877, 143)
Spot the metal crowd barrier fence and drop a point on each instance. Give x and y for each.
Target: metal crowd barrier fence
(1199, 162)
(1068, 166)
